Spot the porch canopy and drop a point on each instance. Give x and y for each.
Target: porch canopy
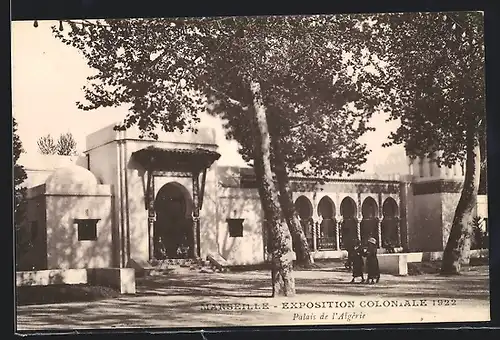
(188, 160)
(191, 161)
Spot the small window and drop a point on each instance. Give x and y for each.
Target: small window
(34, 230)
(87, 229)
(235, 227)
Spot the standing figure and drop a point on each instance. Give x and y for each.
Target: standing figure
(357, 262)
(350, 253)
(372, 262)
(349, 239)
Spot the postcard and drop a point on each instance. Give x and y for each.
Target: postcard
(250, 171)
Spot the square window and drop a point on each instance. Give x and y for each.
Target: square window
(235, 227)
(87, 229)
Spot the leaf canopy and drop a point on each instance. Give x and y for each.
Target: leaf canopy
(437, 62)
(321, 77)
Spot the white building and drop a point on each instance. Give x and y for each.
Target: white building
(137, 199)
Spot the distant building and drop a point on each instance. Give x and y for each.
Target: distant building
(137, 199)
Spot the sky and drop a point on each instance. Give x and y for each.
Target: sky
(47, 81)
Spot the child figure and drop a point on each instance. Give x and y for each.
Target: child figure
(372, 262)
(357, 263)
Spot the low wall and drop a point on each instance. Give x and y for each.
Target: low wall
(438, 255)
(413, 257)
(395, 264)
(342, 254)
(122, 279)
(416, 257)
(329, 254)
(51, 277)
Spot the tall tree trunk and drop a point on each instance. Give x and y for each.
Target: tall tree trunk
(302, 250)
(282, 256)
(457, 249)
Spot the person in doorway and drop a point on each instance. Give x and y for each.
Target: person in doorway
(357, 262)
(372, 262)
(389, 247)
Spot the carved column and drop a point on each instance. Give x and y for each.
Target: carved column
(398, 228)
(359, 217)
(315, 230)
(196, 213)
(379, 232)
(315, 227)
(338, 224)
(380, 218)
(151, 213)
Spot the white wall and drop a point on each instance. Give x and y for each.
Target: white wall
(240, 203)
(64, 250)
(425, 231)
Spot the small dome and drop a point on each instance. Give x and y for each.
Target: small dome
(73, 177)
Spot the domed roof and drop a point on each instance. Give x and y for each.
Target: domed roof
(73, 177)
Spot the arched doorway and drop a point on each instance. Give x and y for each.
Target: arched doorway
(390, 222)
(327, 229)
(349, 227)
(369, 223)
(173, 231)
(304, 209)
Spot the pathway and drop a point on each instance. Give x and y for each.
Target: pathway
(194, 299)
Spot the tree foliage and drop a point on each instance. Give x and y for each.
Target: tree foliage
(438, 63)
(19, 191)
(318, 91)
(312, 70)
(19, 174)
(65, 145)
(46, 145)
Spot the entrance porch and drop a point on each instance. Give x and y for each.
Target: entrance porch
(173, 213)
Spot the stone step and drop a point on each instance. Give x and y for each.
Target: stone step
(166, 266)
(217, 262)
(169, 266)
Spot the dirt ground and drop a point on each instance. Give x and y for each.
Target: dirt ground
(324, 296)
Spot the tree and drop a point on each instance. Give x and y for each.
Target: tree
(265, 74)
(65, 146)
(328, 143)
(318, 105)
(46, 145)
(283, 282)
(19, 189)
(438, 68)
(19, 173)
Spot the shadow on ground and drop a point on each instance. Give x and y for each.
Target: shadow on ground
(61, 293)
(473, 284)
(176, 300)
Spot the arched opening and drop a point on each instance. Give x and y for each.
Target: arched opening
(304, 209)
(349, 227)
(173, 231)
(369, 223)
(390, 224)
(327, 229)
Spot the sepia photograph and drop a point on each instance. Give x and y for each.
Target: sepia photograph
(250, 171)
